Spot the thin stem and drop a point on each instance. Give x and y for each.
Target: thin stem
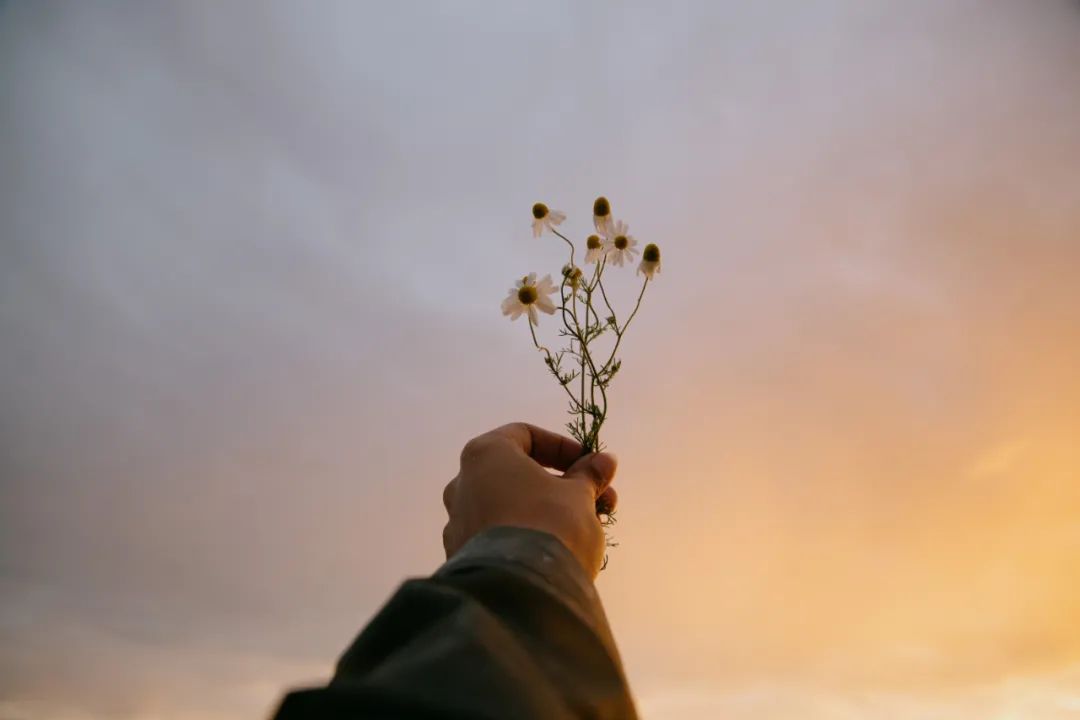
(532, 331)
(603, 293)
(600, 411)
(598, 417)
(589, 309)
(636, 306)
(570, 327)
(575, 332)
(568, 243)
(619, 333)
(581, 401)
(597, 269)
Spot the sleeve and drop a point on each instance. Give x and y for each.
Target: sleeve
(510, 627)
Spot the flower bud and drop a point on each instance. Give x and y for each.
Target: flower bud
(572, 275)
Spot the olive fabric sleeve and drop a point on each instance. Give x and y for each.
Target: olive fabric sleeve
(510, 627)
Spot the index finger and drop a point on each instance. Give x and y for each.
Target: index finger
(545, 447)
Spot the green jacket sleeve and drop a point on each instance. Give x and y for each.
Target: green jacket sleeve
(510, 627)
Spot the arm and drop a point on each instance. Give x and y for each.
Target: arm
(511, 625)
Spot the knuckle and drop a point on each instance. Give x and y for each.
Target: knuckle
(607, 502)
(447, 538)
(514, 427)
(448, 494)
(595, 478)
(475, 447)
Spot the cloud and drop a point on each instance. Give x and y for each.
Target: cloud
(250, 261)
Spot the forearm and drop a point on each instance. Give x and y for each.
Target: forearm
(510, 627)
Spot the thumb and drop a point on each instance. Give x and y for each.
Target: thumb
(598, 469)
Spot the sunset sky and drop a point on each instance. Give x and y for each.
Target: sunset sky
(251, 260)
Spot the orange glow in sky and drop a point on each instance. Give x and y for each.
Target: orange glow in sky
(251, 261)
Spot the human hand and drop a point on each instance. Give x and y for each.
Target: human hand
(503, 481)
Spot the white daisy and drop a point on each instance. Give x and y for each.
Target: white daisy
(619, 244)
(544, 219)
(650, 261)
(594, 249)
(601, 214)
(527, 296)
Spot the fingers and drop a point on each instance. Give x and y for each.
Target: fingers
(607, 502)
(545, 447)
(597, 468)
(449, 546)
(448, 494)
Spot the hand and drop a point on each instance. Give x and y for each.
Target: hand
(502, 481)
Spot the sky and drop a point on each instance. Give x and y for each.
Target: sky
(251, 261)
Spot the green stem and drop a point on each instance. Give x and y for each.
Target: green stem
(603, 293)
(581, 348)
(620, 332)
(589, 309)
(600, 412)
(568, 243)
(575, 332)
(532, 331)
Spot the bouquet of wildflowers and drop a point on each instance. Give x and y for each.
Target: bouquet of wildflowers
(583, 369)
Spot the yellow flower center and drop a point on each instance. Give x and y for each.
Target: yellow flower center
(651, 253)
(527, 295)
(593, 242)
(540, 211)
(601, 208)
(621, 242)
